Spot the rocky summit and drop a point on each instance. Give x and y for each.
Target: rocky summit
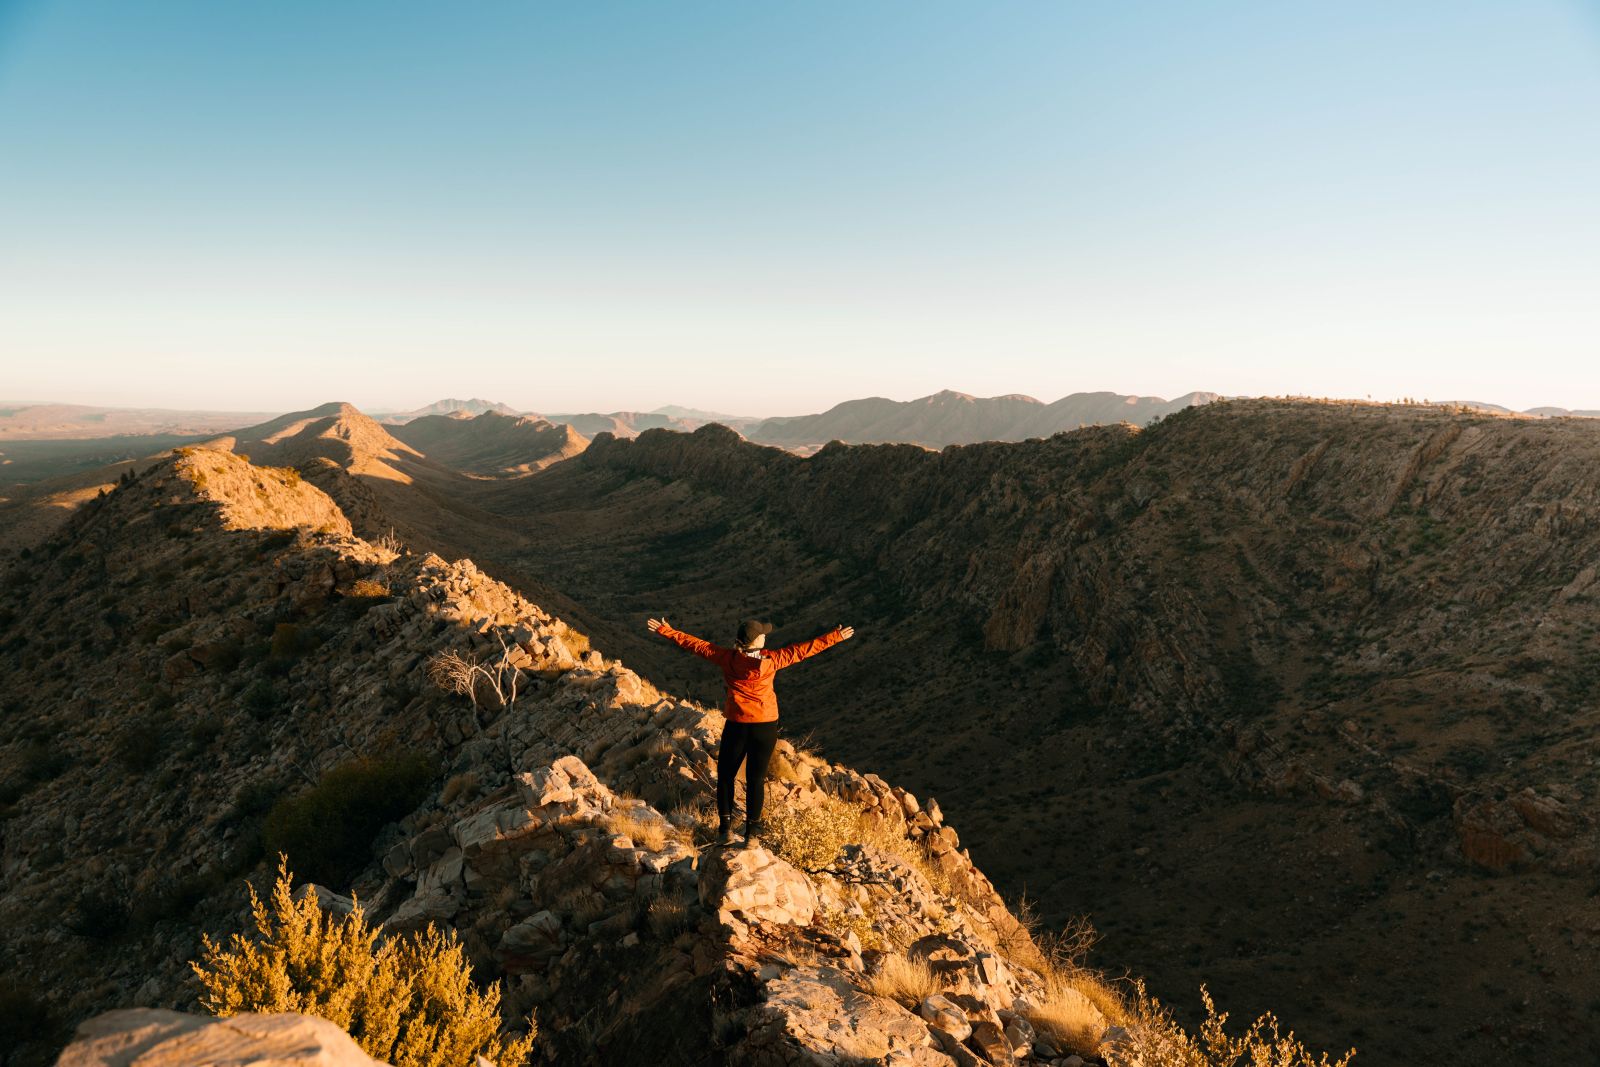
(210, 641)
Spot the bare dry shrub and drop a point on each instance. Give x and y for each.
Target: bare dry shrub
(390, 544)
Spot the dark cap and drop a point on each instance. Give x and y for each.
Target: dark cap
(750, 629)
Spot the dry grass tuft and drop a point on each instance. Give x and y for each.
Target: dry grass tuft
(1073, 1012)
(646, 833)
(459, 787)
(907, 981)
(368, 587)
(667, 916)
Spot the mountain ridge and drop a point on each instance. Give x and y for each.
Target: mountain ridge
(570, 845)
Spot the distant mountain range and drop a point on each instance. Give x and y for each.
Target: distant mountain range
(449, 406)
(950, 418)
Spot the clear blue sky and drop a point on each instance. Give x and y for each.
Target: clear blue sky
(766, 208)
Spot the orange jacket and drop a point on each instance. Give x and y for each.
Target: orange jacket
(749, 678)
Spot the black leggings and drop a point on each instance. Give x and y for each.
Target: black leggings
(750, 743)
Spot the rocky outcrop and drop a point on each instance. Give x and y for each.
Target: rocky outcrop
(147, 1037)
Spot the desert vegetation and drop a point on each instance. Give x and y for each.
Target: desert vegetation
(409, 1001)
(326, 830)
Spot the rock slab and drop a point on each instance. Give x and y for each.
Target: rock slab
(151, 1037)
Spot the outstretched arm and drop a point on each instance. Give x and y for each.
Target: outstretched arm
(685, 641)
(789, 655)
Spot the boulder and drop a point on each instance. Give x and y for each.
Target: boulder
(756, 886)
(988, 1038)
(814, 1015)
(150, 1037)
(959, 1054)
(559, 783)
(942, 1013)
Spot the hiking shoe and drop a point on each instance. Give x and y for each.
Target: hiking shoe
(751, 841)
(725, 836)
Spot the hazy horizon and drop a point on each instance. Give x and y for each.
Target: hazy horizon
(376, 409)
(769, 209)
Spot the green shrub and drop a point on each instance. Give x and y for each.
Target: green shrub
(285, 640)
(139, 745)
(327, 831)
(24, 1016)
(100, 914)
(261, 699)
(409, 1001)
(205, 730)
(291, 641)
(43, 762)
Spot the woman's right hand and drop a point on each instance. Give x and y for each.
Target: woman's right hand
(655, 625)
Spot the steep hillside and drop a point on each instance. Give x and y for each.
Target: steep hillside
(1262, 688)
(950, 418)
(206, 665)
(491, 445)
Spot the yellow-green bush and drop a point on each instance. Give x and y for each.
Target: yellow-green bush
(1158, 1041)
(840, 922)
(328, 830)
(811, 837)
(409, 1001)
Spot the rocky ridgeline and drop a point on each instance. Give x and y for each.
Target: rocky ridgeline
(210, 637)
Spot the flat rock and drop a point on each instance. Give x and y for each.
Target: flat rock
(151, 1037)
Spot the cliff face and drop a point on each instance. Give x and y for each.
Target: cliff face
(1351, 643)
(210, 639)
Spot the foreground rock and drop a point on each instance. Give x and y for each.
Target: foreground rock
(150, 1037)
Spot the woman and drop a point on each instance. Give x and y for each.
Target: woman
(751, 731)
